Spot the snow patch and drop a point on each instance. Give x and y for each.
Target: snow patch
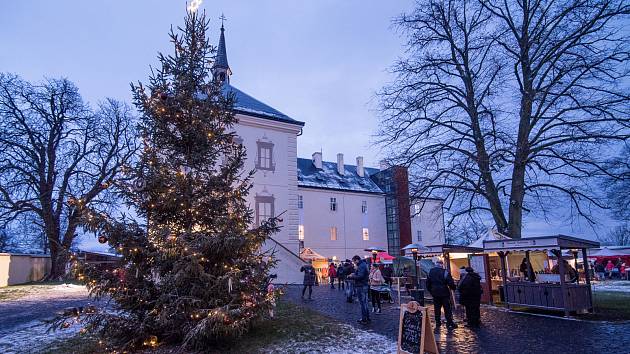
(616, 286)
(352, 341)
(35, 337)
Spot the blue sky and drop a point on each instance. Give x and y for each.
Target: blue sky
(318, 61)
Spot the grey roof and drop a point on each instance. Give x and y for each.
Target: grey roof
(328, 178)
(248, 105)
(221, 60)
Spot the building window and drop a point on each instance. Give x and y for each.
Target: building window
(301, 232)
(265, 156)
(364, 206)
(419, 232)
(333, 204)
(300, 202)
(366, 234)
(264, 208)
(333, 233)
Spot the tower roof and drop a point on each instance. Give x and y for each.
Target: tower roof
(221, 60)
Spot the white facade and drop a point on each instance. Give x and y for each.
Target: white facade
(354, 214)
(427, 222)
(275, 186)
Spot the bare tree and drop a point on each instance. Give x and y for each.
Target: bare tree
(617, 186)
(508, 107)
(57, 156)
(619, 236)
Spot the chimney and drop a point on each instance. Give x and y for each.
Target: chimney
(317, 160)
(384, 165)
(360, 170)
(340, 166)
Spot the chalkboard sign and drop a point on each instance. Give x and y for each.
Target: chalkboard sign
(415, 335)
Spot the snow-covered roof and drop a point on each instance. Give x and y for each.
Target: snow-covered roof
(328, 178)
(248, 105)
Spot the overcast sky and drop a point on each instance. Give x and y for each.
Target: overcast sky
(319, 62)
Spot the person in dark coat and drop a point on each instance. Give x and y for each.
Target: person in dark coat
(440, 283)
(360, 277)
(341, 277)
(527, 270)
(309, 279)
(470, 296)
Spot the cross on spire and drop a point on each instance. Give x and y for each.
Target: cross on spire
(222, 18)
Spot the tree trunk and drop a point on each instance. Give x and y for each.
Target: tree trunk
(59, 258)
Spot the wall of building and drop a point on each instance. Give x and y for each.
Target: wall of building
(427, 217)
(280, 183)
(349, 220)
(22, 268)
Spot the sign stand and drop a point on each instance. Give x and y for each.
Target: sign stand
(415, 334)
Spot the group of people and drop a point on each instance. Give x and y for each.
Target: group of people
(609, 270)
(440, 284)
(356, 278)
(360, 280)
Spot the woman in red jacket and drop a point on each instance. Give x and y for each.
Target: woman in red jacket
(332, 274)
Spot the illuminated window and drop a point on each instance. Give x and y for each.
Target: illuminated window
(416, 209)
(366, 234)
(364, 207)
(301, 232)
(333, 233)
(333, 204)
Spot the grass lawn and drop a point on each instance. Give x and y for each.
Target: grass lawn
(18, 291)
(292, 322)
(610, 306)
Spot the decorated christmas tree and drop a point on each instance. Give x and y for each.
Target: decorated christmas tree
(194, 272)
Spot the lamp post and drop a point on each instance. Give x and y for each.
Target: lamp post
(414, 248)
(374, 251)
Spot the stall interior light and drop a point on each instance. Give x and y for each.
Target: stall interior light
(414, 250)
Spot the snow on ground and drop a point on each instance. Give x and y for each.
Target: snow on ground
(351, 341)
(612, 285)
(34, 337)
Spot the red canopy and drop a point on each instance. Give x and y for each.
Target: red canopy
(384, 256)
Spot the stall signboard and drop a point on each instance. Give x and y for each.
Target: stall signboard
(415, 335)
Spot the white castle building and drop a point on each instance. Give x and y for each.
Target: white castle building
(332, 208)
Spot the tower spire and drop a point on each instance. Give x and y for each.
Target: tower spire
(221, 69)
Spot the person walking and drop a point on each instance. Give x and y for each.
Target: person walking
(609, 268)
(470, 296)
(600, 270)
(376, 282)
(360, 277)
(439, 282)
(341, 277)
(348, 269)
(309, 279)
(332, 274)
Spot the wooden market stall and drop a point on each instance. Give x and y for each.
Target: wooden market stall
(457, 256)
(544, 289)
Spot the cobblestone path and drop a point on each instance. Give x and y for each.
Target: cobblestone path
(501, 331)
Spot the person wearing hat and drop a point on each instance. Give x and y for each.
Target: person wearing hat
(470, 296)
(439, 282)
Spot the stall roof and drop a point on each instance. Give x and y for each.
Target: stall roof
(447, 248)
(542, 243)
